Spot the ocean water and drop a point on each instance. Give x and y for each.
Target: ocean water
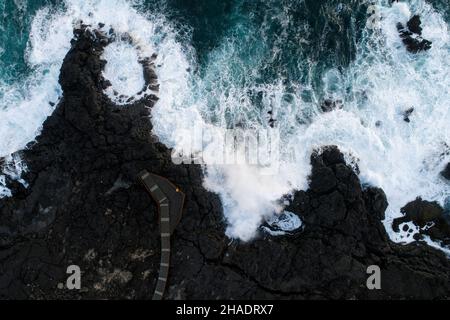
(226, 64)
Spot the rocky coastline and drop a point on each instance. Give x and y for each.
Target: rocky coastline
(84, 206)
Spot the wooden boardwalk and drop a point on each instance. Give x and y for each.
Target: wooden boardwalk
(170, 201)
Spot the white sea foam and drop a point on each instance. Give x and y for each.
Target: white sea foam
(4, 191)
(13, 167)
(123, 70)
(25, 104)
(410, 155)
(283, 224)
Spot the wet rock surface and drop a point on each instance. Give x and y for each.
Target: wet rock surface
(411, 35)
(414, 25)
(407, 115)
(84, 206)
(429, 217)
(329, 105)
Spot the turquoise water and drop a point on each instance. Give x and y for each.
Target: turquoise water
(16, 17)
(226, 64)
(208, 22)
(313, 29)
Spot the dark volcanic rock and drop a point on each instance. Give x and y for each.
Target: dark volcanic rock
(421, 212)
(85, 207)
(411, 35)
(329, 105)
(414, 25)
(408, 114)
(425, 213)
(446, 172)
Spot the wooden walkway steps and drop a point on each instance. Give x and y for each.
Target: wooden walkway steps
(170, 201)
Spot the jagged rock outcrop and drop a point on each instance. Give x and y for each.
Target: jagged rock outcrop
(84, 206)
(429, 217)
(329, 105)
(446, 172)
(407, 114)
(412, 35)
